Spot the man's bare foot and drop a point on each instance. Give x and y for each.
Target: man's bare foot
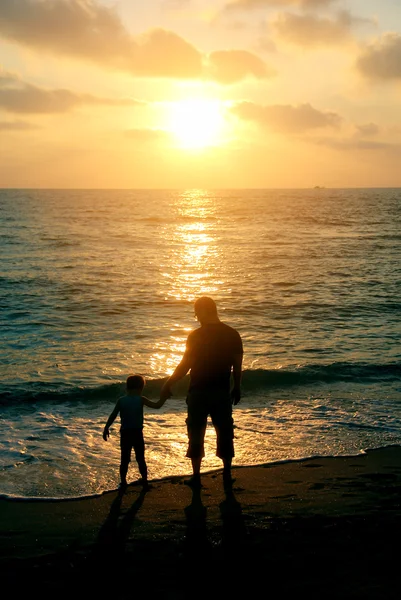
(227, 479)
(194, 482)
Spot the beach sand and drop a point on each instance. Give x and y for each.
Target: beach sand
(321, 528)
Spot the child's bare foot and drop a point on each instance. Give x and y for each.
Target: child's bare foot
(122, 487)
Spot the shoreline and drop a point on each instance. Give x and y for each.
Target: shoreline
(183, 476)
(325, 519)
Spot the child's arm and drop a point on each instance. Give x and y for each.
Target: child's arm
(147, 402)
(111, 420)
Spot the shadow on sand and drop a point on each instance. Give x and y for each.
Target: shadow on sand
(109, 563)
(210, 548)
(223, 540)
(118, 558)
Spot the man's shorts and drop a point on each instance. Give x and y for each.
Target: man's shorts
(218, 405)
(132, 438)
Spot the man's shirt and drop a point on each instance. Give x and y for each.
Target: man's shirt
(211, 349)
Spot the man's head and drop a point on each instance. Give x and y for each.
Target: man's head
(206, 310)
(135, 383)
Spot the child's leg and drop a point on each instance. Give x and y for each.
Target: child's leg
(139, 448)
(143, 469)
(123, 473)
(126, 447)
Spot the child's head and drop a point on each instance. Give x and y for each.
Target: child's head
(135, 383)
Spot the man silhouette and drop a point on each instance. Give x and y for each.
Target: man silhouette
(213, 353)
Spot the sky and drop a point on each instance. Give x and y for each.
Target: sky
(200, 93)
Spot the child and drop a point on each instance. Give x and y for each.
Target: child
(130, 408)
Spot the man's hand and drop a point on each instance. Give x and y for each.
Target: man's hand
(235, 396)
(106, 433)
(165, 393)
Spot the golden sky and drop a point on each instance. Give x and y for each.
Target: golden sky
(199, 93)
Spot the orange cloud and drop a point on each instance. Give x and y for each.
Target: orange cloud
(367, 130)
(85, 29)
(161, 53)
(17, 96)
(309, 30)
(73, 26)
(229, 66)
(16, 126)
(363, 145)
(382, 59)
(286, 118)
(256, 4)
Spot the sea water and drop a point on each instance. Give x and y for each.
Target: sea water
(98, 284)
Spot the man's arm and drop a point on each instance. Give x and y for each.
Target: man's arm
(180, 371)
(111, 420)
(237, 374)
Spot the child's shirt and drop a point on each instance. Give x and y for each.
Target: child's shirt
(131, 412)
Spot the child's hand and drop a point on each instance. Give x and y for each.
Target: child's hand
(106, 434)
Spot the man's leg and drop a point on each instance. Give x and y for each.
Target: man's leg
(196, 465)
(196, 429)
(223, 423)
(227, 478)
(196, 461)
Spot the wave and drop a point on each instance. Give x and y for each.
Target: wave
(253, 380)
(316, 373)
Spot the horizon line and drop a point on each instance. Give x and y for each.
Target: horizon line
(317, 188)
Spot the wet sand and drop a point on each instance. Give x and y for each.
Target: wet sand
(321, 528)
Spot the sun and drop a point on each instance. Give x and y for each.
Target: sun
(197, 123)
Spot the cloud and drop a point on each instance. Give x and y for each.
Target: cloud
(85, 29)
(76, 26)
(229, 66)
(309, 30)
(16, 126)
(286, 118)
(17, 96)
(353, 144)
(367, 130)
(162, 53)
(257, 4)
(382, 59)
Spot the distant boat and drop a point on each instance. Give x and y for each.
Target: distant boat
(319, 187)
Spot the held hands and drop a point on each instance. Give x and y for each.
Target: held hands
(106, 434)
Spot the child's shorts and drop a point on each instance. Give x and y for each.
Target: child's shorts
(132, 438)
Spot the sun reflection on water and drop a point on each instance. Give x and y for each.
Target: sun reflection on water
(189, 270)
(196, 249)
(167, 355)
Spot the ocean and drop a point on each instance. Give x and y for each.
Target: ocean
(98, 284)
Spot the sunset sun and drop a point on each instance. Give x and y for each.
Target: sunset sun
(197, 123)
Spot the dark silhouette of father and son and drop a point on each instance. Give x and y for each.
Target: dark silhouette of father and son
(213, 358)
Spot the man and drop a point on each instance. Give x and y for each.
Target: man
(213, 352)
